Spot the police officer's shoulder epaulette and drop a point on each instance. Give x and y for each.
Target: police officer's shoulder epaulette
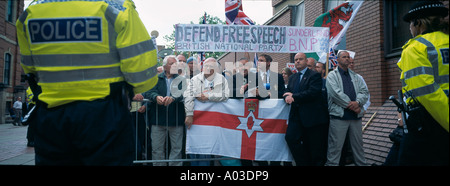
(118, 4)
(410, 41)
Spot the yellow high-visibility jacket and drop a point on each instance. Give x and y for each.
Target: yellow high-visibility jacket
(30, 96)
(424, 74)
(78, 48)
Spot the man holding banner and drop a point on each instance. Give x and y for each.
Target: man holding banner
(249, 129)
(205, 87)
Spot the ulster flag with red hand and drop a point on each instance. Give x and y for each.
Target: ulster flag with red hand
(245, 129)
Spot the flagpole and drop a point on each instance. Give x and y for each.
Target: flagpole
(327, 64)
(328, 60)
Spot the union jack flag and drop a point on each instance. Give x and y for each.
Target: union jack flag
(235, 14)
(232, 8)
(332, 58)
(243, 19)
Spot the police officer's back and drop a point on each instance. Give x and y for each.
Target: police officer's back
(86, 55)
(425, 84)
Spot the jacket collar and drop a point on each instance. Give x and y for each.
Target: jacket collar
(162, 75)
(218, 78)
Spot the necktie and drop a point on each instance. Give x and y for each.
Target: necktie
(297, 86)
(265, 77)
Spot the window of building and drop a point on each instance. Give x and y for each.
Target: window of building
(7, 69)
(396, 30)
(330, 4)
(11, 10)
(299, 15)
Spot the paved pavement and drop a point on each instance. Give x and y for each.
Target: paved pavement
(13, 146)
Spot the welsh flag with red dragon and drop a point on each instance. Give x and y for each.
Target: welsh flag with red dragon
(338, 20)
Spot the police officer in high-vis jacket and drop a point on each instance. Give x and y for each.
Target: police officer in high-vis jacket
(89, 57)
(425, 84)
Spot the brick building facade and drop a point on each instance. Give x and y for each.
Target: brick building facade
(10, 69)
(376, 35)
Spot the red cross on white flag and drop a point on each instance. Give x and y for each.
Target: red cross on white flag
(245, 129)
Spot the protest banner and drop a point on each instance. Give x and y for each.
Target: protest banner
(240, 128)
(250, 38)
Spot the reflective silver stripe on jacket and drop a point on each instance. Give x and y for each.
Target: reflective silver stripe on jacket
(418, 71)
(421, 91)
(138, 77)
(426, 70)
(136, 49)
(69, 60)
(86, 60)
(79, 75)
(433, 57)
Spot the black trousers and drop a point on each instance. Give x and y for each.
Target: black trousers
(427, 147)
(95, 132)
(308, 145)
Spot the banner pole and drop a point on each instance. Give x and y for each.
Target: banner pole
(327, 64)
(328, 59)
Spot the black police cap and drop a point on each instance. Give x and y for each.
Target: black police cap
(424, 9)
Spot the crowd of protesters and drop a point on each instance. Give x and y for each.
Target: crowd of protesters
(325, 111)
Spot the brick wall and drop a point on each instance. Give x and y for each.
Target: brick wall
(365, 36)
(8, 44)
(313, 9)
(282, 58)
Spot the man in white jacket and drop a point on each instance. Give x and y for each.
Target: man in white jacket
(209, 85)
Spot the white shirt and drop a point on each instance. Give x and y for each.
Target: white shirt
(267, 78)
(17, 105)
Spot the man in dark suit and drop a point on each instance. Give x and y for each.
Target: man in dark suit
(307, 131)
(266, 78)
(243, 81)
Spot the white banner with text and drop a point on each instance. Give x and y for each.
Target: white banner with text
(250, 38)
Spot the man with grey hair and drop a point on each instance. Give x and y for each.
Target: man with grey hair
(207, 86)
(346, 96)
(167, 114)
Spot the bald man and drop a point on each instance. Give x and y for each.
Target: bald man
(306, 134)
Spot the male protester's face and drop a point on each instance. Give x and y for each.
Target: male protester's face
(320, 67)
(310, 64)
(263, 65)
(168, 67)
(181, 66)
(181, 58)
(344, 59)
(244, 67)
(300, 61)
(209, 67)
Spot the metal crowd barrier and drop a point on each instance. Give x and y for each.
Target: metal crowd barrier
(146, 151)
